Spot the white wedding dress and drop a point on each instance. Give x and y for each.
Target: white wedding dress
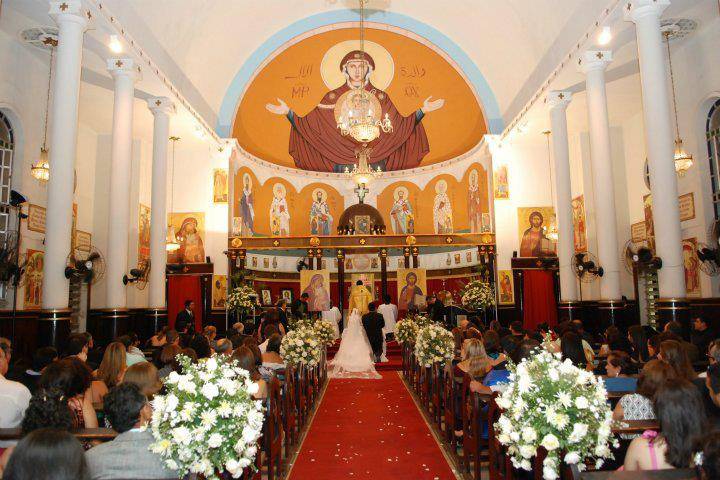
(354, 358)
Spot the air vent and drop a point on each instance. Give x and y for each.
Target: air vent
(40, 37)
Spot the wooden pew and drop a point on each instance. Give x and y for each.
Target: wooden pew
(86, 434)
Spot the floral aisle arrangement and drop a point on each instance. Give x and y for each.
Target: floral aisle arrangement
(241, 299)
(406, 331)
(301, 347)
(208, 422)
(555, 405)
(325, 332)
(434, 344)
(477, 295)
(299, 322)
(420, 320)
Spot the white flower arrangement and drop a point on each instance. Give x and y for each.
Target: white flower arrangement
(420, 320)
(477, 295)
(553, 404)
(325, 332)
(434, 344)
(241, 299)
(301, 347)
(208, 422)
(406, 331)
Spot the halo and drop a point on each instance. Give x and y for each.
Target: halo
(474, 173)
(401, 189)
(441, 185)
(247, 175)
(279, 190)
(314, 194)
(330, 64)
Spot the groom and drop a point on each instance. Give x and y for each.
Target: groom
(373, 323)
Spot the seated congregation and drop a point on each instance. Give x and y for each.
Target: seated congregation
(85, 412)
(662, 392)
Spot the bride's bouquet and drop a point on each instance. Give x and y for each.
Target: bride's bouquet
(434, 344)
(208, 421)
(555, 405)
(301, 347)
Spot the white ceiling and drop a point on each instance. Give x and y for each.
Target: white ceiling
(201, 44)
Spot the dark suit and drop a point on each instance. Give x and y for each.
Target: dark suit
(299, 308)
(183, 319)
(373, 323)
(283, 318)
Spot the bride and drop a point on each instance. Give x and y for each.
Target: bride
(354, 358)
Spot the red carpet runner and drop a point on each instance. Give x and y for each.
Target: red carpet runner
(370, 429)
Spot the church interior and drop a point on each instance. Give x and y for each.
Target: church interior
(463, 197)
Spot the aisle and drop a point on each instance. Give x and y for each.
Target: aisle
(370, 429)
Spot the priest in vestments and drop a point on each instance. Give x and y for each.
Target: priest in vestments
(316, 143)
(360, 298)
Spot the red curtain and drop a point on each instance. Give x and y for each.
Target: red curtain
(181, 288)
(538, 299)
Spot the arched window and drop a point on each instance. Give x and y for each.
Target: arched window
(712, 130)
(7, 144)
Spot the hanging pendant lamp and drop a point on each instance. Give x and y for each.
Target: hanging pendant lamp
(40, 170)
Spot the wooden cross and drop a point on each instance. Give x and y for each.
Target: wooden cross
(561, 96)
(63, 6)
(158, 102)
(599, 55)
(119, 63)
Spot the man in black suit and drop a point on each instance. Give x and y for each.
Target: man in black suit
(282, 312)
(299, 307)
(373, 323)
(185, 317)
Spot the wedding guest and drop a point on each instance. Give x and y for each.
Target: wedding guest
(159, 339)
(579, 328)
(496, 326)
(42, 357)
(133, 353)
(271, 359)
(710, 449)
(168, 360)
(674, 354)
(47, 454)
(571, 347)
(618, 365)
(517, 335)
(73, 378)
(653, 346)
(47, 409)
(110, 372)
(201, 345)
(638, 405)
(702, 334)
(77, 346)
(638, 338)
(675, 331)
(268, 331)
(210, 332)
(238, 328)
(246, 360)
(615, 340)
(145, 376)
(14, 398)
(190, 353)
(224, 347)
(129, 454)
(680, 411)
(475, 361)
(491, 341)
(281, 307)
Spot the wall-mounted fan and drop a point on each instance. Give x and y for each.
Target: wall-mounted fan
(87, 266)
(640, 258)
(139, 276)
(586, 267)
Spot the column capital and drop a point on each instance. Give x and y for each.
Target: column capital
(69, 11)
(594, 60)
(124, 67)
(161, 105)
(558, 99)
(637, 9)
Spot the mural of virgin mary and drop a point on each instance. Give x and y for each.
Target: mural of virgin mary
(191, 244)
(316, 143)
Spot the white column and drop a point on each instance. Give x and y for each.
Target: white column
(71, 21)
(125, 73)
(161, 108)
(558, 102)
(593, 64)
(659, 143)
